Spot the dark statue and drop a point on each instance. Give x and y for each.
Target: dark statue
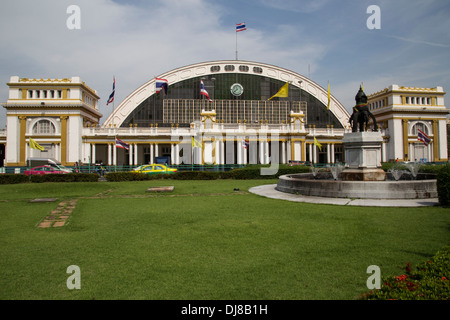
(361, 113)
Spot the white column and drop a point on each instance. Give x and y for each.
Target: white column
(177, 153)
(261, 152)
(93, 151)
(310, 152)
(429, 154)
(114, 155)
(156, 150)
(57, 155)
(109, 154)
(267, 152)
(239, 151)
(130, 154)
(135, 154)
(314, 147)
(172, 154)
(283, 152)
(217, 151)
(151, 153)
(222, 152)
(333, 160)
(328, 153)
(246, 154)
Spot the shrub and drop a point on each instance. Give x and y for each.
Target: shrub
(431, 281)
(13, 178)
(126, 176)
(68, 177)
(195, 175)
(254, 172)
(443, 185)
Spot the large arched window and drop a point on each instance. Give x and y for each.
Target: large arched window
(44, 127)
(419, 126)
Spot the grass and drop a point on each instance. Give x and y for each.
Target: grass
(203, 241)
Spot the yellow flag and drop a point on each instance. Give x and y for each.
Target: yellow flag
(329, 97)
(35, 145)
(283, 92)
(317, 144)
(196, 144)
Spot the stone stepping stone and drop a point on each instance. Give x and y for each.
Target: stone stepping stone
(161, 189)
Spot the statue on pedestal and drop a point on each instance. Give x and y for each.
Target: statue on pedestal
(361, 113)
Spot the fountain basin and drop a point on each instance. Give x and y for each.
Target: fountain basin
(323, 185)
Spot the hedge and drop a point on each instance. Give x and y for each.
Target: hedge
(130, 176)
(443, 185)
(254, 172)
(11, 178)
(247, 173)
(430, 281)
(67, 177)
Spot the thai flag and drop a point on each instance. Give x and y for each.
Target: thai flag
(111, 97)
(121, 144)
(240, 27)
(161, 84)
(203, 90)
(421, 136)
(245, 143)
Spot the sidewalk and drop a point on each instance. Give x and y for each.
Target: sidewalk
(270, 192)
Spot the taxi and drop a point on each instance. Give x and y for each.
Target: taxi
(154, 169)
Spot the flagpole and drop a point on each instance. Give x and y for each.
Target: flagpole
(236, 45)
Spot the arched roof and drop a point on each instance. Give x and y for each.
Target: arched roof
(124, 109)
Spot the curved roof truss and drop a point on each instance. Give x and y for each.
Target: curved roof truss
(207, 68)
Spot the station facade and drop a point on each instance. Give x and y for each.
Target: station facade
(240, 120)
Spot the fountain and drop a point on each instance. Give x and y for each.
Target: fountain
(336, 170)
(362, 177)
(413, 167)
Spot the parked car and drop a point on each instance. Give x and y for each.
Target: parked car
(155, 169)
(34, 162)
(43, 170)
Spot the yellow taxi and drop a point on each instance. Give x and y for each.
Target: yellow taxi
(154, 169)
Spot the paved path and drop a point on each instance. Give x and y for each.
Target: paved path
(270, 192)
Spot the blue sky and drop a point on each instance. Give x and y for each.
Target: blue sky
(327, 40)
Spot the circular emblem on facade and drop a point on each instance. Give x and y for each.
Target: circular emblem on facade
(237, 89)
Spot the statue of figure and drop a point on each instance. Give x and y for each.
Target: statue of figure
(361, 113)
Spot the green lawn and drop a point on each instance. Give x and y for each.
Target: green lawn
(203, 241)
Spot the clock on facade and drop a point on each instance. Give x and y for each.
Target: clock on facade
(237, 89)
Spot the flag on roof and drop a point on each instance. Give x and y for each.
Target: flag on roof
(121, 144)
(203, 90)
(111, 96)
(240, 27)
(161, 84)
(421, 136)
(283, 92)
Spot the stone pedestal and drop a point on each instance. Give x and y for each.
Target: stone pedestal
(363, 157)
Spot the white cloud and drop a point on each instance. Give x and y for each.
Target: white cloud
(300, 6)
